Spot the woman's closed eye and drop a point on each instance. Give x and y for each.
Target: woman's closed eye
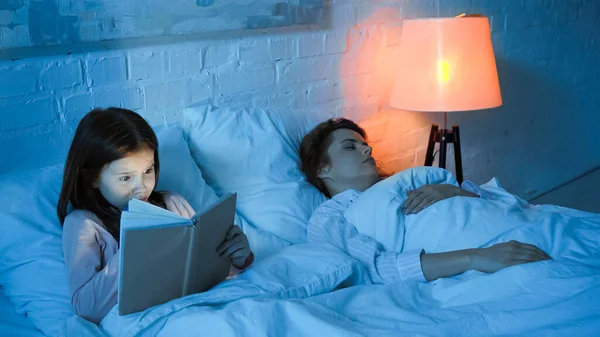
(349, 147)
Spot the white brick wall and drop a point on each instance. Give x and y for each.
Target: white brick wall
(146, 65)
(18, 80)
(28, 113)
(236, 82)
(76, 106)
(124, 97)
(185, 61)
(61, 75)
(547, 52)
(295, 71)
(221, 55)
(103, 70)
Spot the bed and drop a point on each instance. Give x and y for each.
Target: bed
(296, 288)
(13, 324)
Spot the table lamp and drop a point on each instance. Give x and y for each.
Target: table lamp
(446, 64)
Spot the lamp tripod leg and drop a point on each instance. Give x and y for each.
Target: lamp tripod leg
(443, 147)
(457, 155)
(431, 145)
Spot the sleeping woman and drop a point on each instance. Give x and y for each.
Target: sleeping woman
(336, 158)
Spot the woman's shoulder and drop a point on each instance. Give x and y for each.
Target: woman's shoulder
(342, 199)
(337, 205)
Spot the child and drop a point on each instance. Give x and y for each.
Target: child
(114, 158)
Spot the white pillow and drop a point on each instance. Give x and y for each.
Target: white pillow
(178, 171)
(15, 324)
(32, 270)
(254, 152)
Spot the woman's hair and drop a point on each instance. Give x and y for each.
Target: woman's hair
(103, 136)
(313, 149)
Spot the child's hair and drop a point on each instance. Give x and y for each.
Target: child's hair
(103, 136)
(313, 149)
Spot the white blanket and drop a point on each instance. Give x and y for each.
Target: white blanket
(297, 272)
(532, 297)
(464, 222)
(291, 295)
(297, 292)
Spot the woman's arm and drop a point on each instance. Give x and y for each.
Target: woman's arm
(488, 260)
(448, 264)
(427, 195)
(328, 225)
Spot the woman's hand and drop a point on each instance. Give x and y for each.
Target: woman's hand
(428, 195)
(503, 255)
(236, 247)
(177, 204)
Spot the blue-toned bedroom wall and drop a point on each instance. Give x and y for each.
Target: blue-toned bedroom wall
(546, 50)
(546, 132)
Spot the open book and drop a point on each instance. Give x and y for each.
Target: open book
(165, 256)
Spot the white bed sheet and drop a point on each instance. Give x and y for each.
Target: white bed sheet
(295, 295)
(299, 271)
(436, 309)
(13, 324)
(296, 292)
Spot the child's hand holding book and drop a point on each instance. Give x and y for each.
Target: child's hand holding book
(237, 248)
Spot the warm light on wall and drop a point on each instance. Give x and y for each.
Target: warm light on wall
(368, 69)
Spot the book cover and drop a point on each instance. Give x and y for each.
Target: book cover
(165, 256)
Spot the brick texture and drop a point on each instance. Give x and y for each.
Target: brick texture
(542, 136)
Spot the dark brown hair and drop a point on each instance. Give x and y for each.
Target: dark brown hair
(103, 136)
(313, 149)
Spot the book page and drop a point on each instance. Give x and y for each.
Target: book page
(134, 220)
(141, 215)
(136, 205)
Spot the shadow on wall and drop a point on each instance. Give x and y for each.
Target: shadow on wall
(531, 143)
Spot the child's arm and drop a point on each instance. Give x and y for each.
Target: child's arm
(178, 205)
(93, 281)
(237, 248)
(233, 270)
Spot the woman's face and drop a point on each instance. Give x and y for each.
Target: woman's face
(129, 177)
(350, 162)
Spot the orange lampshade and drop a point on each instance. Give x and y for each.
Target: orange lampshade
(446, 64)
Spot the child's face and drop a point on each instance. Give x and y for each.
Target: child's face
(127, 178)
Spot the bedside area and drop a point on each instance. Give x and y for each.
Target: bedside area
(581, 193)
